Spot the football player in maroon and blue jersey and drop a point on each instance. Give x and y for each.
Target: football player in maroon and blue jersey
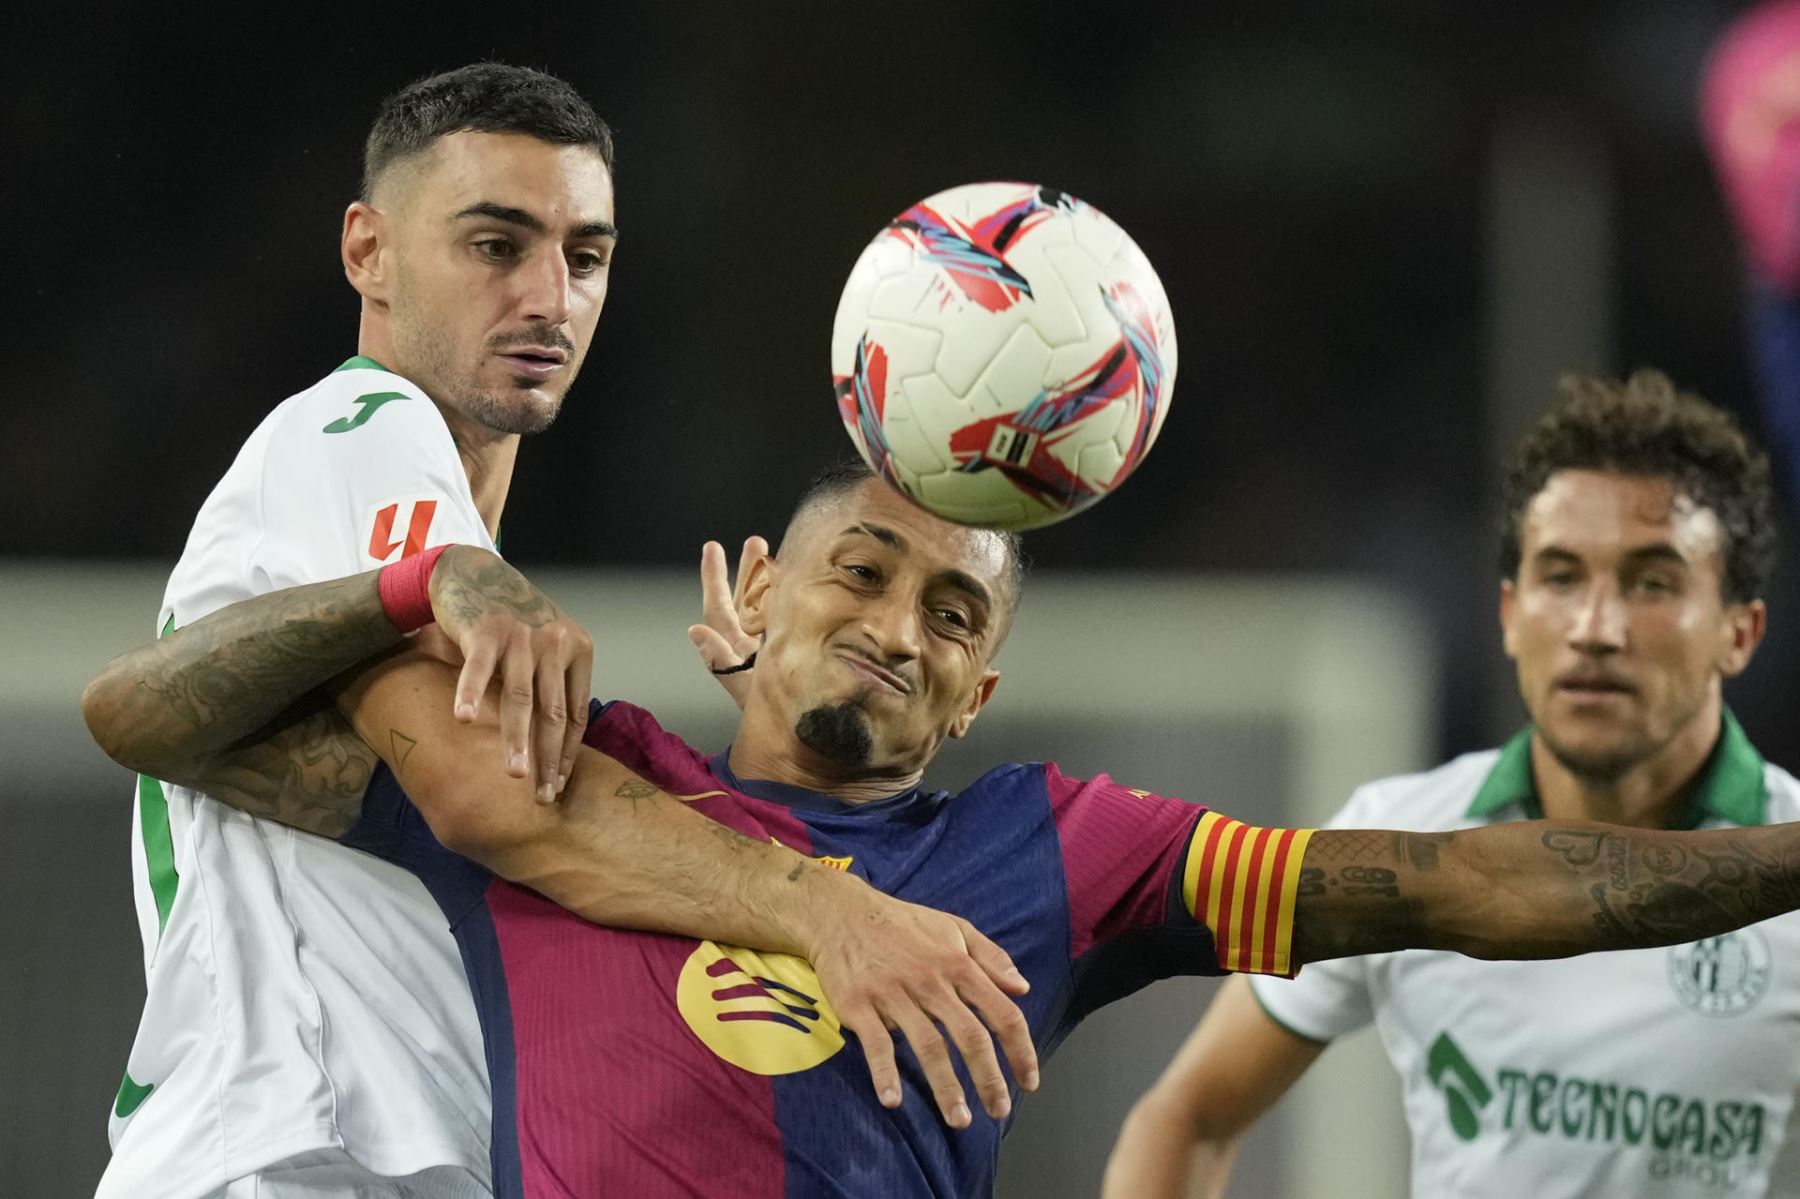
(640, 1063)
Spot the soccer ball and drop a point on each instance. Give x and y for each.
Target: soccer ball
(1003, 355)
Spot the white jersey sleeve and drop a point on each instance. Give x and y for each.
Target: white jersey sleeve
(355, 472)
(1326, 1000)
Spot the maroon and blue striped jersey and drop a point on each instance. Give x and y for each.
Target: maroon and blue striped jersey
(629, 1063)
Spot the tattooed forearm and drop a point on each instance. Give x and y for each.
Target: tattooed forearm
(1351, 898)
(637, 791)
(164, 708)
(1651, 889)
(309, 772)
(468, 584)
(401, 747)
(1536, 890)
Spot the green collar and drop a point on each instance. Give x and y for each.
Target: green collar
(1730, 786)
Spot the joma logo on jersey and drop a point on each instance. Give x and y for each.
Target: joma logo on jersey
(367, 406)
(384, 520)
(1586, 1109)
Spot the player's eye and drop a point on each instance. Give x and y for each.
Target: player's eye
(954, 617)
(862, 571)
(587, 262)
(496, 249)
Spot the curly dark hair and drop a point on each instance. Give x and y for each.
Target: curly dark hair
(1644, 426)
(484, 97)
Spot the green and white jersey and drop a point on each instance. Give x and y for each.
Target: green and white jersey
(1647, 1073)
(302, 996)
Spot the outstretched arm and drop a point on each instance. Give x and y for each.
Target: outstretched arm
(1538, 889)
(616, 850)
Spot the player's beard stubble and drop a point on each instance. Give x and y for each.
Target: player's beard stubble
(839, 733)
(429, 359)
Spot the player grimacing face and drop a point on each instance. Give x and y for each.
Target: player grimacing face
(495, 250)
(878, 620)
(1617, 621)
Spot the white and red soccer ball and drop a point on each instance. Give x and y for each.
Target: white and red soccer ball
(1003, 354)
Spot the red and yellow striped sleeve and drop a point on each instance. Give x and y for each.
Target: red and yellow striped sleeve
(1241, 883)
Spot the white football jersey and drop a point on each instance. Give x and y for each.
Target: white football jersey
(302, 996)
(1651, 1073)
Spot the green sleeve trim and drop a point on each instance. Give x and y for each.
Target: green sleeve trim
(159, 846)
(1283, 1025)
(131, 1097)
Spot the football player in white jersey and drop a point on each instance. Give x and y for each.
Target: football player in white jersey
(307, 1026)
(1637, 544)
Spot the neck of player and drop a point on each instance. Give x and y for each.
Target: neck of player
(1650, 793)
(488, 459)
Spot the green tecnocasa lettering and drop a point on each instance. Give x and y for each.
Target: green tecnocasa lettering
(1465, 1091)
(368, 406)
(1586, 1109)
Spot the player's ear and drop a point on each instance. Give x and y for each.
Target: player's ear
(1509, 602)
(984, 691)
(1744, 626)
(361, 247)
(753, 601)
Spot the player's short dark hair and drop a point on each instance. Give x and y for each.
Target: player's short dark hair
(484, 97)
(841, 478)
(1644, 426)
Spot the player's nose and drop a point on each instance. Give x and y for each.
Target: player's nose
(1599, 620)
(545, 287)
(891, 623)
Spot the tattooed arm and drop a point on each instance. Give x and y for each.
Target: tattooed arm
(228, 704)
(1538, 889)
(206, 707)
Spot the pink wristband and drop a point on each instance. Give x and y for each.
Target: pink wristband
(405, 589)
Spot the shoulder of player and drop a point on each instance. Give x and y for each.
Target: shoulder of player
(1429, 800)
(356, 409)
(633, 737)
(1037, 781)
(1783, 793)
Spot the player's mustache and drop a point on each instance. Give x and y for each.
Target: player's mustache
(547, 336)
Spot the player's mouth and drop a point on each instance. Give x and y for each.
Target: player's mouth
(883, 678)
(535, 362)
(1586, 686)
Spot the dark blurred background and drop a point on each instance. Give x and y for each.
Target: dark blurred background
(1320, 186)
(1384, 227)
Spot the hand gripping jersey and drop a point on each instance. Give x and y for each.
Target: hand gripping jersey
(637, 1064)
(301, 996)
(1648, 1073)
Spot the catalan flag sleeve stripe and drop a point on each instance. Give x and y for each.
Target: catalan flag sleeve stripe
(1243, 883)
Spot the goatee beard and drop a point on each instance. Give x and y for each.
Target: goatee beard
(839, 733)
